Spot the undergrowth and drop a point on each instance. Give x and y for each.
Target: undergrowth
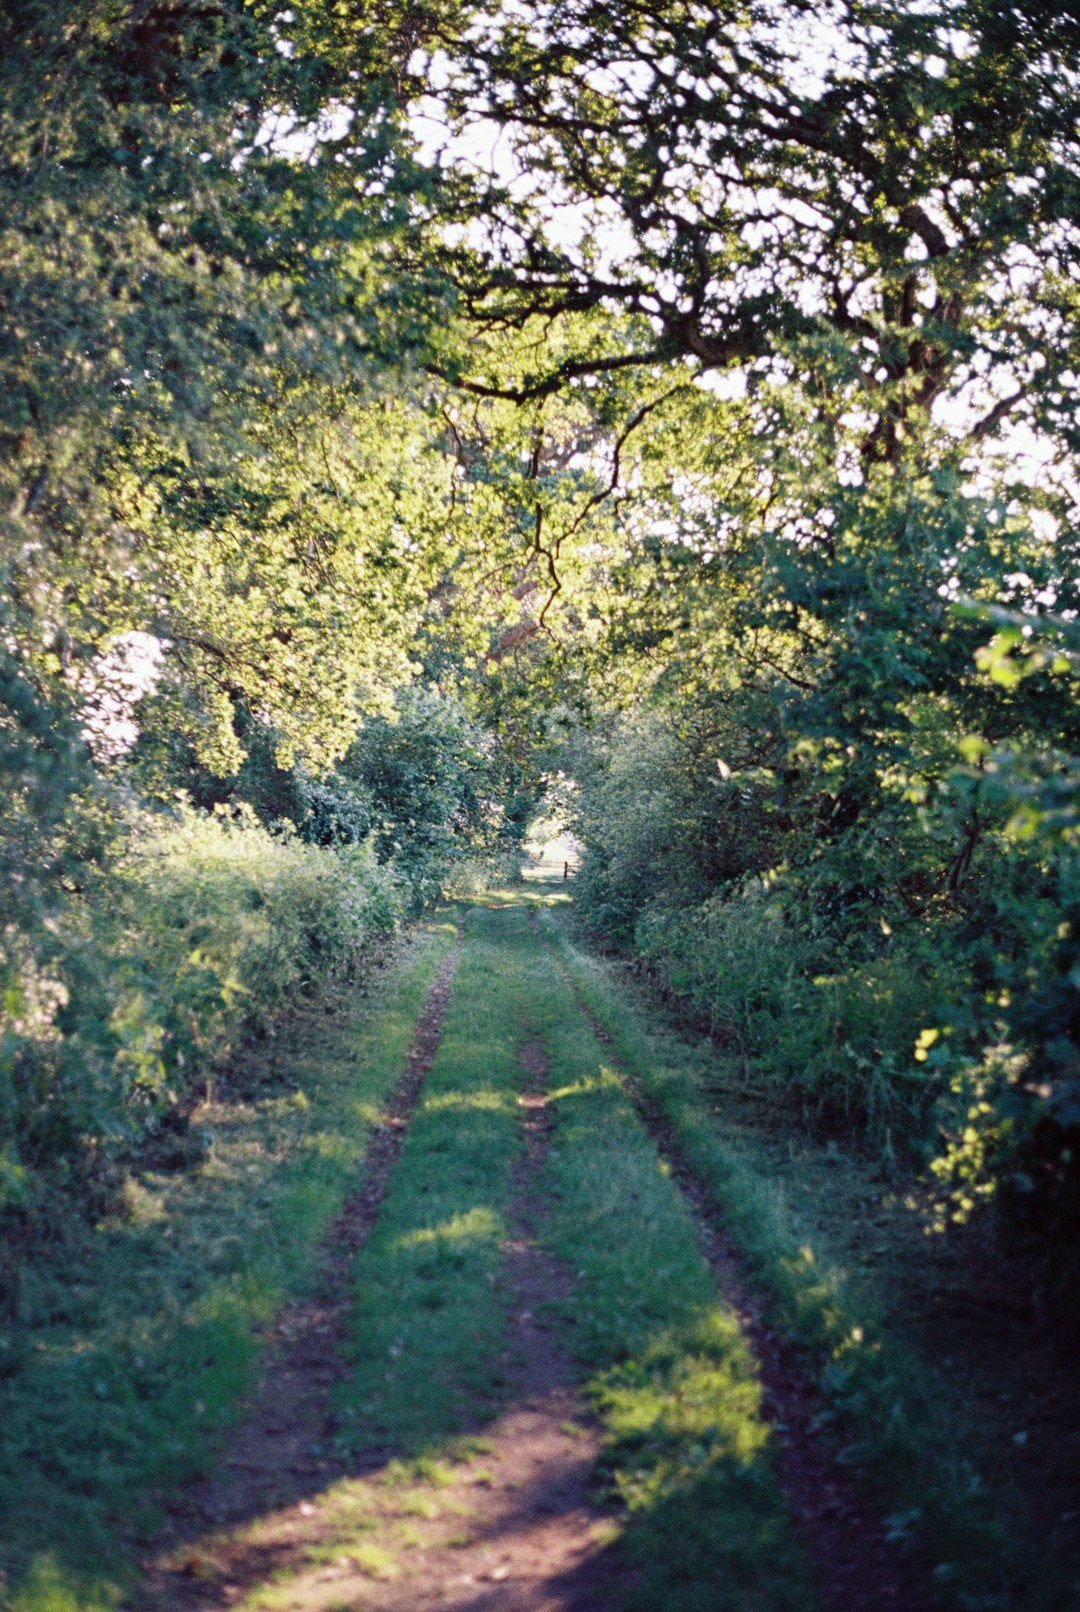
(120, 1014)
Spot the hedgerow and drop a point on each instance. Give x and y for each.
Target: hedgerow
(120, 1011)
(852, 977)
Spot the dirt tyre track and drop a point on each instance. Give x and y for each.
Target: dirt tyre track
(861, 1569)
(280, 1453)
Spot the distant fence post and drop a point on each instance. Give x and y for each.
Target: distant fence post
(566, 870)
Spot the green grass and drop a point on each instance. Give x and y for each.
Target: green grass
(138, 1339)
(687, 1464)
(430, 1321)
(688, 1450)
(902, 1422)
(141, 1338)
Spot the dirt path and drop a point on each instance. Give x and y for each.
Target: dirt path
(510, 1528)
(511, 1525)
(860, 1567)
(506, 1520)
(279, 1454)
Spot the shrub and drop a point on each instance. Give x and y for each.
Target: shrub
(201, 934)
(426, 783)
(837, 1032)
(895, 948)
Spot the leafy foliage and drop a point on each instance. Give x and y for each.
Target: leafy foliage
(725, 414)
(201, 312)
(427, 784)
(193, 944)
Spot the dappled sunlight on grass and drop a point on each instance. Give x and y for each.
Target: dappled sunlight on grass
(690, 1399)
(469, 1226)
(49, 1587)
(334, 1546)
(689, 1454)
(331, 1145)
(584, 1087)
(481, 1101)
(367, 1113)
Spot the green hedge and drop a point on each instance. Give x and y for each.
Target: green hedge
(117, 1015)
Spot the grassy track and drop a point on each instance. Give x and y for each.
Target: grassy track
(688, 1455)
(138, 1374)
(692, 1505)
(689, 1504)
(903, 1424)
(425, 1377)
(429, 1322)
(140, 1339)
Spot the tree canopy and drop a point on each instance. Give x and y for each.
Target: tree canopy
(561, 382)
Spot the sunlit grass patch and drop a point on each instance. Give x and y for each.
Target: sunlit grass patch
(425, 1468)
(689, 1398)
(493, 1101)
(49, 1587)
(418, 1503)
(374, 1560)
(468, 1226)
(352, 1549)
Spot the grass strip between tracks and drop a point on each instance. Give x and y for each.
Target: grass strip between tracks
(430, 1323)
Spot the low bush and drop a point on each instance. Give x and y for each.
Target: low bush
(425, 783)
(836, 1031)
(118, 1013)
